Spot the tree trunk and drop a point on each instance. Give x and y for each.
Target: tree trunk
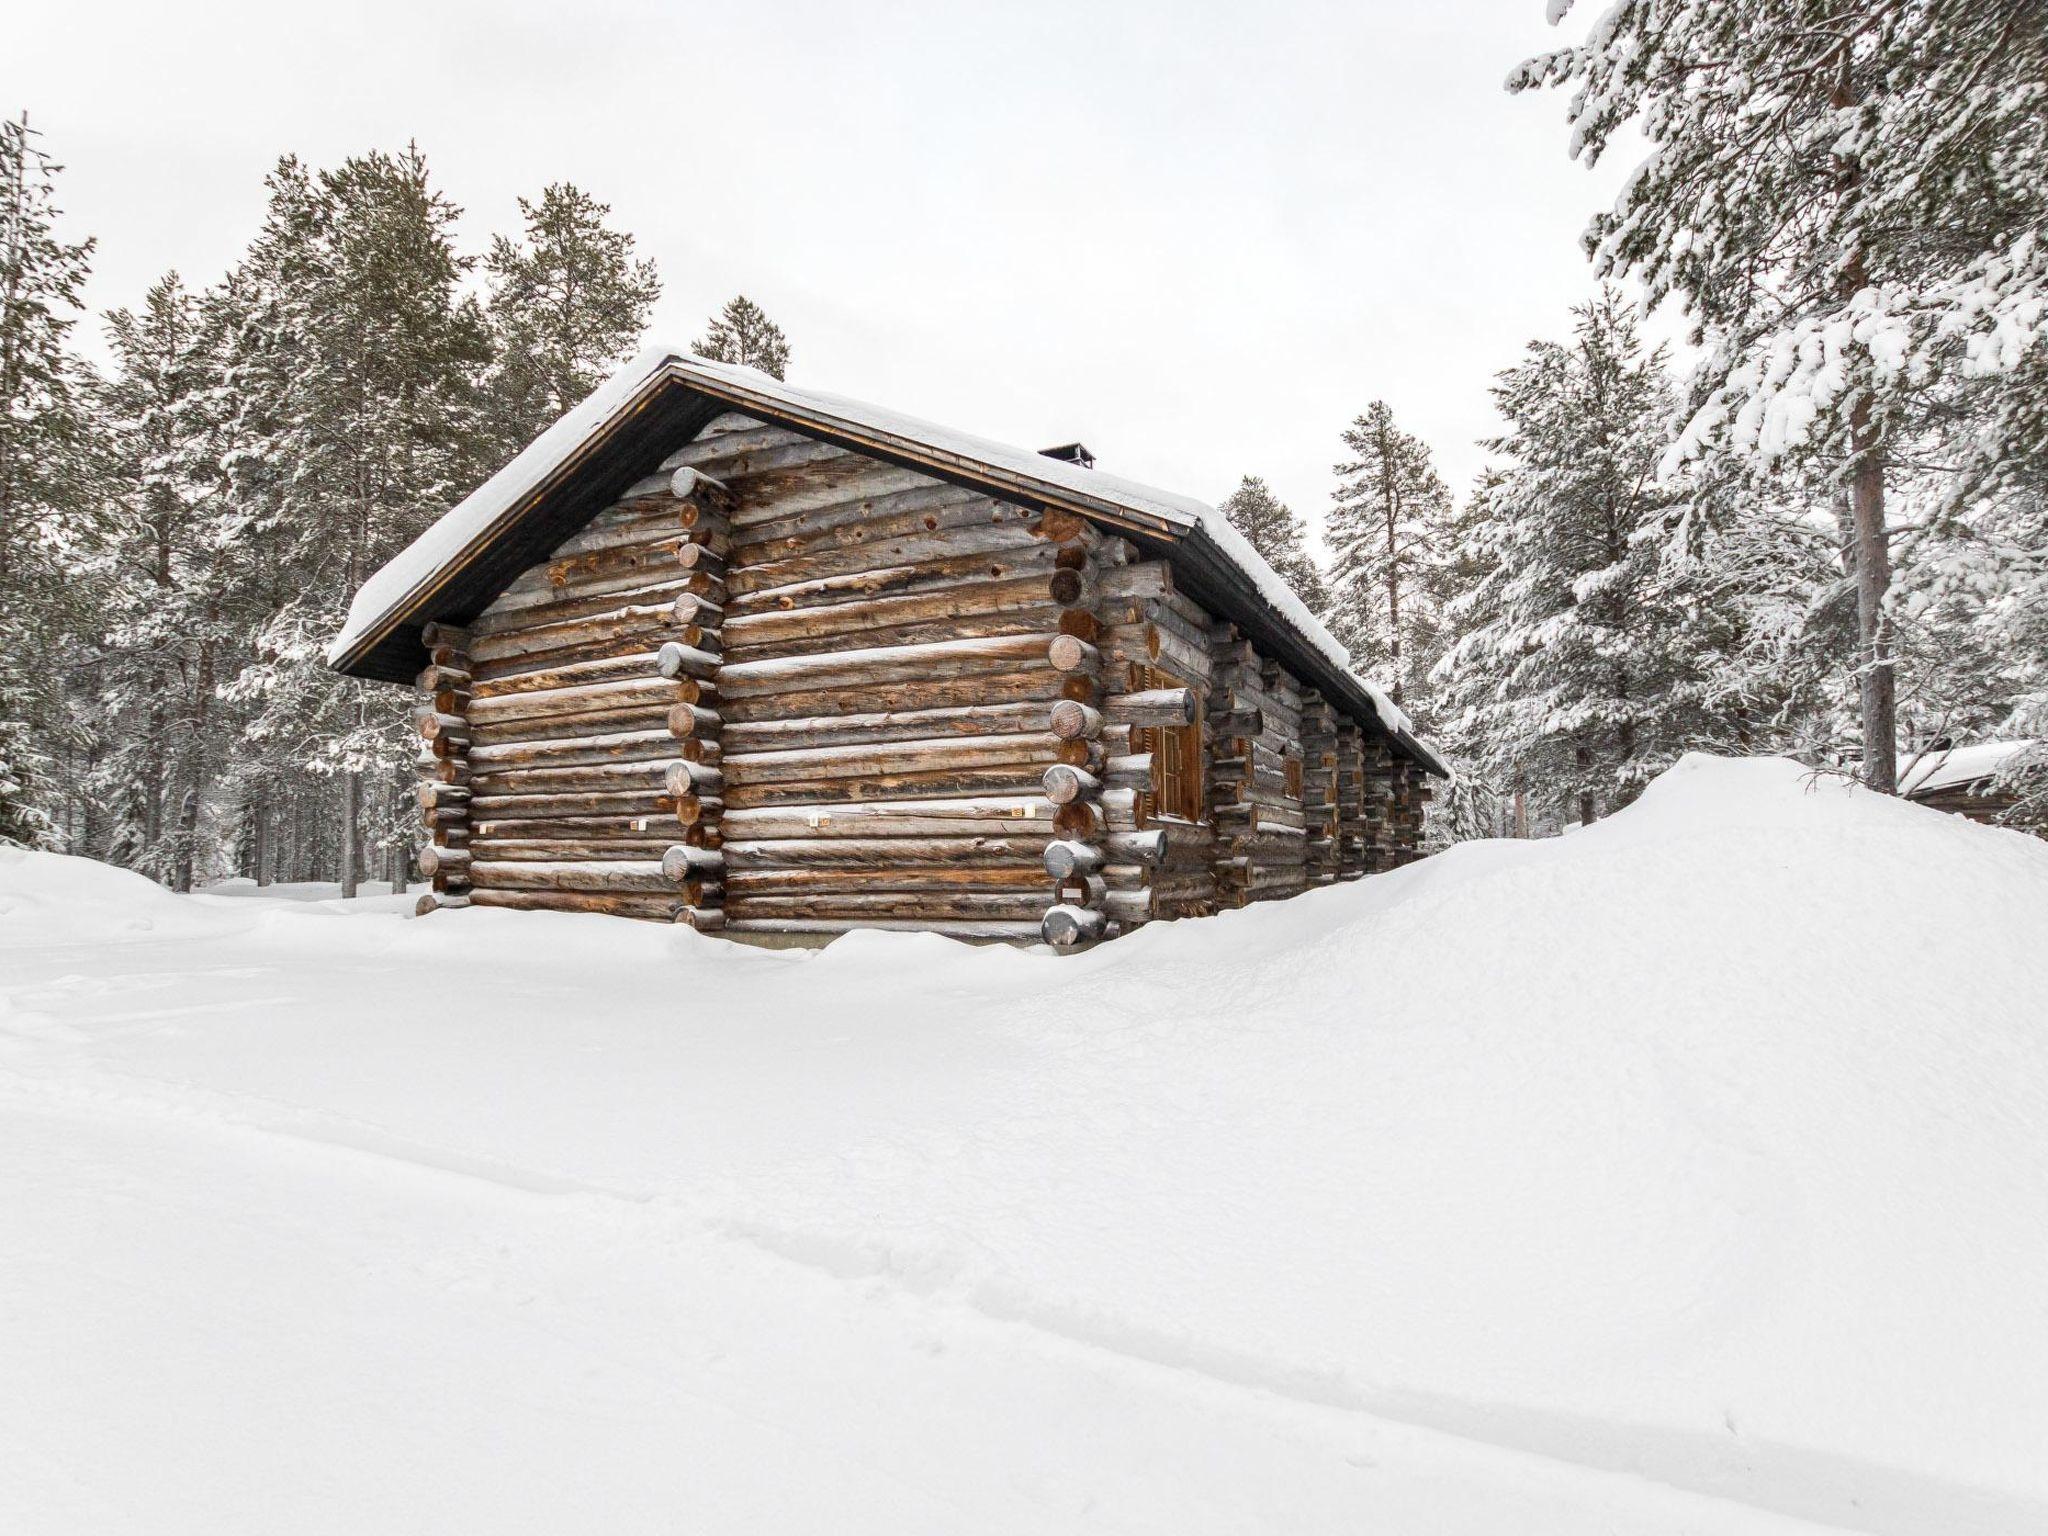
(186, 835)
(1588, 810)
(1876, 687)
(351, 804)
(259, 840)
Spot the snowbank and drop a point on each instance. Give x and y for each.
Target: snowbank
(1683, 1175)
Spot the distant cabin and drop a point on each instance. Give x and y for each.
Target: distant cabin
(765, 661)
(1961, 780)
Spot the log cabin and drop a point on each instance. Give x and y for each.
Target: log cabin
(777, 664)
(1964, 781)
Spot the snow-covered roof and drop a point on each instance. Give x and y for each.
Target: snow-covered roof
(398, 591)
(1953, 766)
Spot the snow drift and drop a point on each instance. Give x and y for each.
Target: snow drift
(1685, 1174)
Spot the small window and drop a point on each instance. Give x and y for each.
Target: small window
(1176, 792)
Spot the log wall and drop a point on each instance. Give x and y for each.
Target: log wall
(781, 688)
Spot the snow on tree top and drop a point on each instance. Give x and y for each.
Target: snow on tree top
(416, 568)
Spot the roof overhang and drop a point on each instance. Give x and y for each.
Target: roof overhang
(662, 401)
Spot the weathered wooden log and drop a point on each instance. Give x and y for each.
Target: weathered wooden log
(891, 757)
(700, 557)
(571, 875)
(1064, 927)
(1070, 653)
(437, 796)
(626, 623)
(581, 699)
(1080, 752)
(1080, 821)
(1073, 720)
(1021, 880)
(937, 816)
(437, 635)
(1081, 891)
(876, 726)
(1011, 906)
(692, 720)
(702, 919)
(434, 679)
(1065, 784)
(433, 726)
(922, 617)
(1152, 708)
(685, 778)
(646, 775)
(868, 666)
(612, 904)
(803, 573)
(1128, 908)
(650, 801)
(607, 746)
(683, 862)
(436, 859)
(675, 660)
(1065, 859)
(966, 929)
(693, 808)
(967, 851)
(693, 607)
(1133, 770)
(1072, 588)
(913, 784)
(693, 485)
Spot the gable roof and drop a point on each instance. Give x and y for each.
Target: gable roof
(665, 396)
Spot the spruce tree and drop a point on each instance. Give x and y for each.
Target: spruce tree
(170, 632)
(1272, 528)
(1567, 678)
(365, 354)
(568, 303)
(45, 472)
(742, 333)
(1388, 528)
(1849, 204)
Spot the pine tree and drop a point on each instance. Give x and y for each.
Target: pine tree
(1272, 528)
(742, 333)
(1568, 677)
(169, 630)
(1388, 530)
(365, 429)
(568, 302)
(1850, 205)
(45, 510)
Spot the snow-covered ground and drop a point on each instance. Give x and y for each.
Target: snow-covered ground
(1686, 1175)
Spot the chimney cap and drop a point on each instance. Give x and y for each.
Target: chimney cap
(1070, 453)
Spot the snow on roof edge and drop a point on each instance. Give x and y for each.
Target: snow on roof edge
(1952, 766)
(414, 568)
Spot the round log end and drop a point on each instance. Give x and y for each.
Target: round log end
(1064, 927)
(1072, 720)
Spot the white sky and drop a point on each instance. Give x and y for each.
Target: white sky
(1200, 237)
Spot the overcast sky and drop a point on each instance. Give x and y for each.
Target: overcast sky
(1200, 237)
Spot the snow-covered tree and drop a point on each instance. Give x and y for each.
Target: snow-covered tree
(1848, 203)
(568, 303)
(1273, 529)
(364, 427)
(1569, 677)
(742, 333)
(169, 629)
(1388, 533)
(44, 473)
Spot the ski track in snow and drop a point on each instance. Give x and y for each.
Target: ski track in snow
(1798, 1484)
(1471, 1426)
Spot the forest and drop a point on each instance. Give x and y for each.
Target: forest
(1810, 518)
